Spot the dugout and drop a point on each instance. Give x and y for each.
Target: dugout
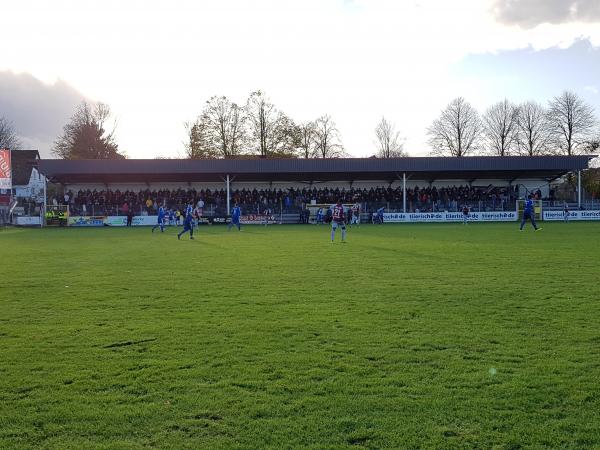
(524, 172)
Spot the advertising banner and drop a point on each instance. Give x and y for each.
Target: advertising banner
(573, 215)
(136, 221)
(5, 169)
(121, 221)
(257, 219)
(26, 221)
(491, 216)
(86, 221)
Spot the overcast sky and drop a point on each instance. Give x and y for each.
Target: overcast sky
(156, 62)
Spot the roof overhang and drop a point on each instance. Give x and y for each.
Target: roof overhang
(342, 169)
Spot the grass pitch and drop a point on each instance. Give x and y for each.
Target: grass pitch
(426, 335)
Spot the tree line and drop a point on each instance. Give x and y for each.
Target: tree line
(566, 125)
(225, 129)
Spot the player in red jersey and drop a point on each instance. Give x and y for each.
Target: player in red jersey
(339, 220)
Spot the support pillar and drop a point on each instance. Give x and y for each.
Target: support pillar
(228, 197)
(404, 192)
(43, 208)
(579, 189)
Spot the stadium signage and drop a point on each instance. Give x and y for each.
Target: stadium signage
(493, 216)
(86, 221)
(220, 220)
(5, 169)
(121, 221)
(573, 215)
(257, 219)
(26, 221)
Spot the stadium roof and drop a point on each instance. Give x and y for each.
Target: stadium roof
(338, 169)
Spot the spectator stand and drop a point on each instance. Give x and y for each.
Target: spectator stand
(287, 187)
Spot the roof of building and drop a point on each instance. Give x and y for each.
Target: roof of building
(22, 162)
(342, 169)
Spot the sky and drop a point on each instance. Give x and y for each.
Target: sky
(155, 63)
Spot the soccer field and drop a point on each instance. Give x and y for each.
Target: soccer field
(425, 335)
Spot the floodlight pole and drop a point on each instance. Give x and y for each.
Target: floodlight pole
(43, 212)
(579, 189)
(228, 208)
(404, 192)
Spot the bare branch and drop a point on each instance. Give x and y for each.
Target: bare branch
(533, 134)
(500, 127)
(457, 132)
(8, 135)
(389, 143)
(572, 122)
(327, 138)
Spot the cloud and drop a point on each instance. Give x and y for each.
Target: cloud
(37, 110)
(530, 13)
(354, 59)
(592, 89)
(526, 74)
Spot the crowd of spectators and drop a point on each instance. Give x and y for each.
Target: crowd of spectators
(424, 199)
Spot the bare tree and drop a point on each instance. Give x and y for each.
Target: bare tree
(272, 133)
(533, 131)
(199, 144)
(306, 135)
(327, 138)
(8, 135)
(572, 122)
(85, 137)
(500, 128)
(457, 131)
(592, 146)
(389, 143)
(220, 130)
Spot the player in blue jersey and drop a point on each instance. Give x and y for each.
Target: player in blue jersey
(379, 217)
(529, 213)
(236, 214)
(188, 223)
(161, 220)
(320, 216)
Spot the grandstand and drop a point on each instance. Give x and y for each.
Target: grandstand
(286, 186)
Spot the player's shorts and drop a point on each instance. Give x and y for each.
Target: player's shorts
(335, 224)
(526, 215)
(187, 226)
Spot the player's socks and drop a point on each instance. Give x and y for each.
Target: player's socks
(343, 235)
(332, 235)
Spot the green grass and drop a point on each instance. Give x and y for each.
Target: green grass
(426, 335)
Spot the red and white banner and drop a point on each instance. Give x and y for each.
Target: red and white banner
(5, 171)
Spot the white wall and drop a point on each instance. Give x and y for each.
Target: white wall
(35, 187)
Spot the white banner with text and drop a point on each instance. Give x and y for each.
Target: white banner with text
(490, 216)
(573, 215)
